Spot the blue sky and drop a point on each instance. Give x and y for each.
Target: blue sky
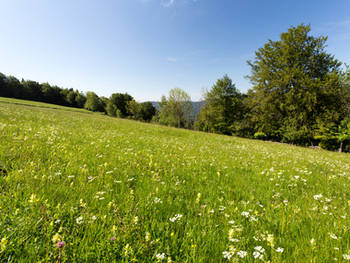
(147, 47)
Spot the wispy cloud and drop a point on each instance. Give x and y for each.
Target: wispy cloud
(171, 59)
(167, 3)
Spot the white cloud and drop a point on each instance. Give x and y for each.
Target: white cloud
(167, 3)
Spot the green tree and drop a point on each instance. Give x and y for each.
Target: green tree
(177, 109)
(121, 101)
(223, 109)
(147, 111)
(297, 87)
(93, 102)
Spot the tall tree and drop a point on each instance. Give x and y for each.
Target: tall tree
(296, 86)
(223, 109)
(177, 109)
(93, 102)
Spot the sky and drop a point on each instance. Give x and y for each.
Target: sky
(147, 47)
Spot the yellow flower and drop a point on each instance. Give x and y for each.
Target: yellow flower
(56, 238)
(3, 244)
(33, 199)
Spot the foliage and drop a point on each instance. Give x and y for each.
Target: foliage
(223, 108)
(177, 109)
(93, 102)
(296, 86)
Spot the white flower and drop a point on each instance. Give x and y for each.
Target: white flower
(234, 240)
(79, 220)
(176, 217)
(260, 249)
(333, 236)
(346, 256)
(242, 254)
(256, 254)
(157, 200)
(317, 197)
(160, 256)
(245, 214)
(227, 254)
(280, 250)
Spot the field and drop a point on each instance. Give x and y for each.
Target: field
(115, 190)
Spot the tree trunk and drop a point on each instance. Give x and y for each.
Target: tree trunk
(340, 147)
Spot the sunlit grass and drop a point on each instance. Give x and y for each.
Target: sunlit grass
(117, 190)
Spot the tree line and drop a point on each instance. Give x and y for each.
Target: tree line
(300, 94)
(118, 104)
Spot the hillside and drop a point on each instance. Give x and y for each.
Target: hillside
(115, 190)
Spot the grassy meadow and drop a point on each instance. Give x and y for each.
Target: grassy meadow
(115, 190)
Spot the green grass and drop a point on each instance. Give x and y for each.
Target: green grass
(85, 178)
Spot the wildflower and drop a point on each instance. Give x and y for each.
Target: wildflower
(227, 254)
(56, 238)
(317, 197)
(280, 250)
(79, 220)
(158, 200)
(333, 236)
(176, 217)
(60, 244)
(258, 255)
(33, 199)
(160, 256)
(245, 214)
(242, 254)
(270, 240)
(346, 256)
(147, 236)
(3, 244)
(198, 199)
(112, 239)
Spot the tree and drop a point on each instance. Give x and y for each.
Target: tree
(223, 109)
(120, 101)
(93, 102)
(177, 109)
(147, 111)
(297, 87)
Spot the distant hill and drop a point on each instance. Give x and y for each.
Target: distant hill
(197, 105)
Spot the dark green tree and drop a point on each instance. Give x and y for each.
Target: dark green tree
(223, 109)
(296, 87)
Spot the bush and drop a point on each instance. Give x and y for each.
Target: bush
(260, 136)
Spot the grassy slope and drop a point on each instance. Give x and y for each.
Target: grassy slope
(86, 178)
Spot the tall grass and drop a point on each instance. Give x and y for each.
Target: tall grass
(115, 190)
